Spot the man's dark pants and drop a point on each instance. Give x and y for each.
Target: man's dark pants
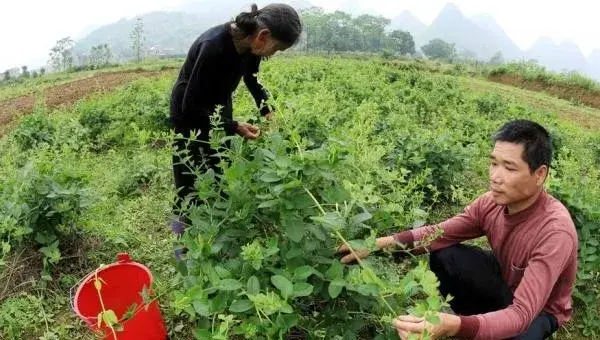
(472, 276)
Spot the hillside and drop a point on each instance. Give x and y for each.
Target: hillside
(452, 25)
(167, 32)
(406, 21)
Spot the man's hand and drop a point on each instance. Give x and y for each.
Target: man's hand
(248, 131)
(269, 116)
(408, 324)
(382, 242)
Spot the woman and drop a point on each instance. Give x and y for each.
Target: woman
(215, 64)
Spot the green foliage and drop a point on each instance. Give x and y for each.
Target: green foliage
(35, 130)
(96, 122)
(340, 31)
(16, 316)
(136, 182)
(358, 149)
(401, 42)
(580, 193)
(439, 49)
(61, 55)
(41, 204)
(138, 39)
(261, 247)
(437, 156)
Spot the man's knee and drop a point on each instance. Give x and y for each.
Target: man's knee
(441, 261)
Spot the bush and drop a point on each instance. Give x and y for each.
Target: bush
(438, 156)
(96, 121)
(35, 130)
(41, 204)
(261, 249)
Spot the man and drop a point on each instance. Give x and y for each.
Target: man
(522, 288)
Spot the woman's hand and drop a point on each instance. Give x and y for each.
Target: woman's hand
(248, 131)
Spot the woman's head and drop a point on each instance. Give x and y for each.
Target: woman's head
(275, 27)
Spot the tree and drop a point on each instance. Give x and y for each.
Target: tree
(42, 71)
(373, 31)
(106, 54)
(497, 59)
(100, 55)
(467, 55)
(24, 72)
(137, 39)
(401, 42)
(439, 49)
(34, 74)
(6, 75)
(61, 55)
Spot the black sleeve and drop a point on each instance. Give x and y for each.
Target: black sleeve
(256, 89)
(199, 83)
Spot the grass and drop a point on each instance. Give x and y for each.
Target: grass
(570, 113)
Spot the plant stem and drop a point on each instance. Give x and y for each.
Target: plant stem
(362, 265)
(102, 302)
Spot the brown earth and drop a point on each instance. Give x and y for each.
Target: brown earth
(571, 93)
(11, 108)
(67, 94)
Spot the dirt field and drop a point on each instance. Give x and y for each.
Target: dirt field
(65, 94)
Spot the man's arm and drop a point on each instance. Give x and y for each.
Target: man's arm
(462, 227)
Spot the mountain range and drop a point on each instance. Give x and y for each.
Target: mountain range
(480, 36)
(484, 37)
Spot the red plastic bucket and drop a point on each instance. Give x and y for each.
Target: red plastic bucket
(122, 285)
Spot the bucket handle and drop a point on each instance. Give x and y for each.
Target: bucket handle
(121, 258)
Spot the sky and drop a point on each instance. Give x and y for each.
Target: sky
(29, 28)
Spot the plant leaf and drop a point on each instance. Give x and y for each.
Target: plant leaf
(302, 289)
(110, 318)
(303, 273)
(229, 284)
(335, 288)
(240, 306)
(253, 286)
(360, 218)
(283, 284)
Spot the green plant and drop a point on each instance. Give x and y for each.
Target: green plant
(96, 121)
(135, 183)
(35, 129)
(42, 204)
(261, 260)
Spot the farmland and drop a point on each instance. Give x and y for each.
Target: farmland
(357, 149)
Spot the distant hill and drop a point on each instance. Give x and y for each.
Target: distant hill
(594, 60)
(406, 21)
(509, 49)
(451, 25)
(165, 32)
(169, 33)
(561, 57)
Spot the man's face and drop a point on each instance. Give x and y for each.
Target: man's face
(511, 181)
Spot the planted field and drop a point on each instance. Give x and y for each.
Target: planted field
(358, 149)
